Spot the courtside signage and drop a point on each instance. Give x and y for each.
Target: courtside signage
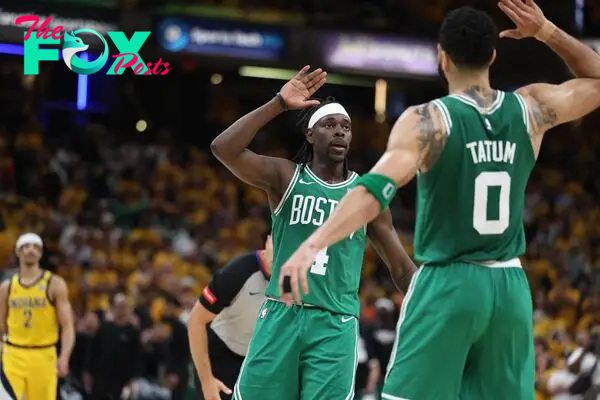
(127, 57)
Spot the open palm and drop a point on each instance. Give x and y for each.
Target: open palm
(526, 15)
(297, 92)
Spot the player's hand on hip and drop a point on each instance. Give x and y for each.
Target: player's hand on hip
(293, 274)
(526, 15)
(213, 388)
(298, 91)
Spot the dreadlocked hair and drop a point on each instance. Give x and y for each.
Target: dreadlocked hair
(305, 153)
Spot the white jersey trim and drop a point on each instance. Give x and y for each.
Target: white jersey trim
(288, 191)
(350, 395)
(338, 185)
(401, 318)
(486, 110)
(523, 105)
(236, 388)
(445, 115)
(512, 263)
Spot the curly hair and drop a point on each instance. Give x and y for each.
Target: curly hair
(469, 37)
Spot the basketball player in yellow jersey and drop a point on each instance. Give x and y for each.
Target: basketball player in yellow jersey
(34, 304)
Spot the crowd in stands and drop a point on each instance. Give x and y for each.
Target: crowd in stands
(152, 219)
(154, 223)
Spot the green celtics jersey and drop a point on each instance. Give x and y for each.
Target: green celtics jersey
(334, 276)
(470, 204)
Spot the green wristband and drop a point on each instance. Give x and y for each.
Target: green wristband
(380, 186)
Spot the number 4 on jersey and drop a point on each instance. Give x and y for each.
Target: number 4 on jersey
(319, 266)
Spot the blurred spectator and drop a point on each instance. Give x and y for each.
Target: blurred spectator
(384, 331)
(114, 357)
(560, 381)
(178, 350)
(85, 330)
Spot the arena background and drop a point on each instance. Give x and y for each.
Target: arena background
(115, 172)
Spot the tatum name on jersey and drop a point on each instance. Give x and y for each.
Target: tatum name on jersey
(489, 156)
(334, 277)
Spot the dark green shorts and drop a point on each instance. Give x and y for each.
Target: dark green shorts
(299, 353)
(465, 332)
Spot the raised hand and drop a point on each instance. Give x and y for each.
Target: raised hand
(526, 15)
(298, 91)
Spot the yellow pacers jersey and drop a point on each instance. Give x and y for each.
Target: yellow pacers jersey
(31, 319)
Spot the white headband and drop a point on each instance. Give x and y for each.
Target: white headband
(326, 110)
(29, 238)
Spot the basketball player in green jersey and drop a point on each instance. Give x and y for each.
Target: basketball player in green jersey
(465, 328)
(307, 351)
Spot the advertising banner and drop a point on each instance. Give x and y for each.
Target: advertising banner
(380, 54)
(221, 38)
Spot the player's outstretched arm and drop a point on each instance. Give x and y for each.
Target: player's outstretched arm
(531, 22)
(231, 147)
(386, 242)
(581, 59)
(59, 293)
(552, 105)
(416, 143)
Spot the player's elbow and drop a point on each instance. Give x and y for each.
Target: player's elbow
(215, 148)
(67, 327)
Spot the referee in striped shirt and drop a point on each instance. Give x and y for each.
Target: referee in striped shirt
(221, 323)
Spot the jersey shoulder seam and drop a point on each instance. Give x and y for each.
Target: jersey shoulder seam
(288, 191)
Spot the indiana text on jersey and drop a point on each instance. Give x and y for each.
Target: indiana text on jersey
(34, 311)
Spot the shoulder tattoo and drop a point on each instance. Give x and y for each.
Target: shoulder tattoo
(431, 137)
(543, 115)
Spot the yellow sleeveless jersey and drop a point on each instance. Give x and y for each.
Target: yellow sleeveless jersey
(31, 319)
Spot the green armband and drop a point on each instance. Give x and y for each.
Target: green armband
(380, 186)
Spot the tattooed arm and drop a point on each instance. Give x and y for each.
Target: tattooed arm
(415, 144)
(552, 105)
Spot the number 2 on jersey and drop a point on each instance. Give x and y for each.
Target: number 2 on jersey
(483, 182)
(319, 266)
(27, 314)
